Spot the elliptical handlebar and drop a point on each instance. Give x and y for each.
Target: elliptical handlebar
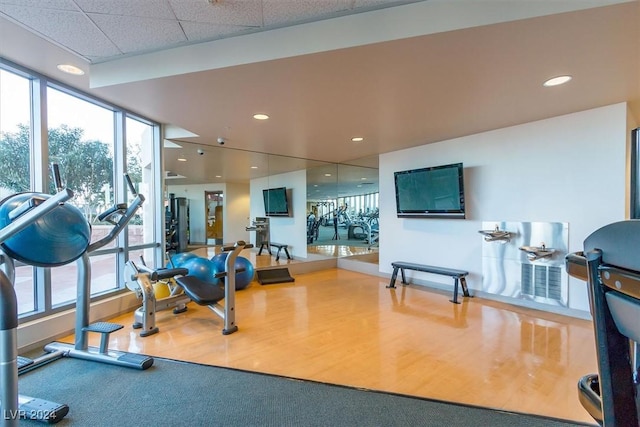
(119, 216)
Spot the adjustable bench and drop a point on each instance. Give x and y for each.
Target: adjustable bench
(458, 276)
(280, 247)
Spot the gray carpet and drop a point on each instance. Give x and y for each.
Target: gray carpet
(177, 393)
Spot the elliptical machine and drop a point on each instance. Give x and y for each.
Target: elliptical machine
(119, 216)
(28, 209)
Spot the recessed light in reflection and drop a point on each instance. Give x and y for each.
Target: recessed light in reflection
(260, 116)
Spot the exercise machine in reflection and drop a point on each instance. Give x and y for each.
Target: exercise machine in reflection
(611, 267)
(141, 279)
(118, 216)
(19, 216)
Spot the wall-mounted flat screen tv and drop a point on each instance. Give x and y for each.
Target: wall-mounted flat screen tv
(276, 202)
(433, 192)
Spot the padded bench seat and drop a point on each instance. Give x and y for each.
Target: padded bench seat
(457, 275)
(279, 246)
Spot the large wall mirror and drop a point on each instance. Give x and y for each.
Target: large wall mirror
(338, 216)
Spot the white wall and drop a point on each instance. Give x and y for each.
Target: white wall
(236, 213)
(235, 210)
(566, 169)
(288, 230)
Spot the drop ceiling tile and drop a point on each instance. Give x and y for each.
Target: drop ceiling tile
(134, 34)
(198, 31)
(143, 8)
(70, 29)
(226, 12)
(279, 12)
(43, 4)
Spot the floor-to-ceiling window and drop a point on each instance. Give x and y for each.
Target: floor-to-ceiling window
(81, 140)
(94, 144)
(15, 149)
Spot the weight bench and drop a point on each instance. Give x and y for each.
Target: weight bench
(458, 276)
(280, 246)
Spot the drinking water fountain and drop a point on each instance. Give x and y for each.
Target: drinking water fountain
(496, 235)
(537, 252)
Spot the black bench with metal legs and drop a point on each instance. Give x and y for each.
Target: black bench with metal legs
(279, 246)
(458, 276)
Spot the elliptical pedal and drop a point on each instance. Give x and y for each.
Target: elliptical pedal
(104, 328)
(23, 362)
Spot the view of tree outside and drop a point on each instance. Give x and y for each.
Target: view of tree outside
(15, 109)
(86, 166)
(81, 139)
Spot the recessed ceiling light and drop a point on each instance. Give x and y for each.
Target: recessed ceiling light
(70, 69)
(557, 81)
(182, 159)
(327, 174)
(218, 176)
(254, 167)
(357, 139)
(260, 116)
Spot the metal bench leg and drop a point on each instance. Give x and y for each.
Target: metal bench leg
(286, 251)
(392, 284)
(278, 253)
(455, 291)
(465, 289)
(404, 279)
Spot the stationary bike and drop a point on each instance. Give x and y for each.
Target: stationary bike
(147, 283)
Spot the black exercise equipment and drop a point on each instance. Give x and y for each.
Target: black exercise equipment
(279, 246)
(273, 276)
(459, 276)
(610, 263)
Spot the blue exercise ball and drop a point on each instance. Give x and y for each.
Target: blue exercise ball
(202, 268)
(243, 278)
(59, 237)
(178, 260)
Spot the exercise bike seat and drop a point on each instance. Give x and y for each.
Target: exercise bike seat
(200, 292)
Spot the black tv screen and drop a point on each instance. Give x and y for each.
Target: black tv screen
(276, 202)
(433, 192)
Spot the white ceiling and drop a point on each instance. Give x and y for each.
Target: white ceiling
(398, 73)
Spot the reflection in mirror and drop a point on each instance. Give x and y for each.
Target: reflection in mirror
(192, 169)
(343, 217)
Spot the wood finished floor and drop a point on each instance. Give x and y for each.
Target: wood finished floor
(344, 327)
